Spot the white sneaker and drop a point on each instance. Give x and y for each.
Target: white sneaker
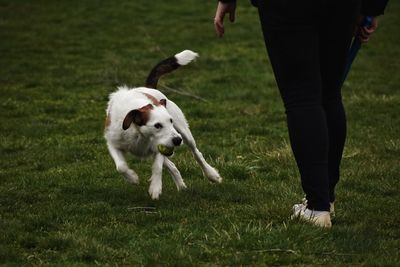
(318, 218)
(331, 208)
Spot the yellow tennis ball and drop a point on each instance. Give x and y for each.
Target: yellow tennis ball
(165, 150)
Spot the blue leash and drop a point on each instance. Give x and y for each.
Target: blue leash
(355, 46)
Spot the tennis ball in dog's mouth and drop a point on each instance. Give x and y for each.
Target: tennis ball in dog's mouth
(165, 150)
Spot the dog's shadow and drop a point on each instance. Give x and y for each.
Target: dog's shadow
(129, 202)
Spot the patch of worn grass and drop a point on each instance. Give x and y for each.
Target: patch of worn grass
(62, 202)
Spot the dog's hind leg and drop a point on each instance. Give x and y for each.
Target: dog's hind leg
(182, 127)
(156, 176)
(210, 172)
(121, 165)
(176, 175)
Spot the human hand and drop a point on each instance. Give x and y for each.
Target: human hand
(363, 32)
(222, 10)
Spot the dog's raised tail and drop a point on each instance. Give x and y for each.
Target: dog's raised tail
(168, 65)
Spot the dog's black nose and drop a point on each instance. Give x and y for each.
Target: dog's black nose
(177, 141)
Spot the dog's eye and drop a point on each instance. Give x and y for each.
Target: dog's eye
(158, 125)
(170, 120)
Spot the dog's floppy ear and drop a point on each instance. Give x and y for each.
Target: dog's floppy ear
(163, 102)
(137, 116)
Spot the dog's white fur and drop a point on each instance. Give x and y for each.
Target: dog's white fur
(143, 141)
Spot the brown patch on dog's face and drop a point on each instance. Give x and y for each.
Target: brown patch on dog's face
(108, 121)
(137, 116)
(152, 99)
(162, 102)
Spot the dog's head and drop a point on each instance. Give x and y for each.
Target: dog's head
(155, 123)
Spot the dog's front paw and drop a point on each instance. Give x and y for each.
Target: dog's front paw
(155, 190)
(213, 175)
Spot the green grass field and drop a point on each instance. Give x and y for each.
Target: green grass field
(63, 203)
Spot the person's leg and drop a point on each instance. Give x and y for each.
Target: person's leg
(291, 38)
(336, 32)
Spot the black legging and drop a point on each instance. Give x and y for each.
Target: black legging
(307, 43)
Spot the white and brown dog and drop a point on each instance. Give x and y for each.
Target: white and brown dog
(147, 124)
